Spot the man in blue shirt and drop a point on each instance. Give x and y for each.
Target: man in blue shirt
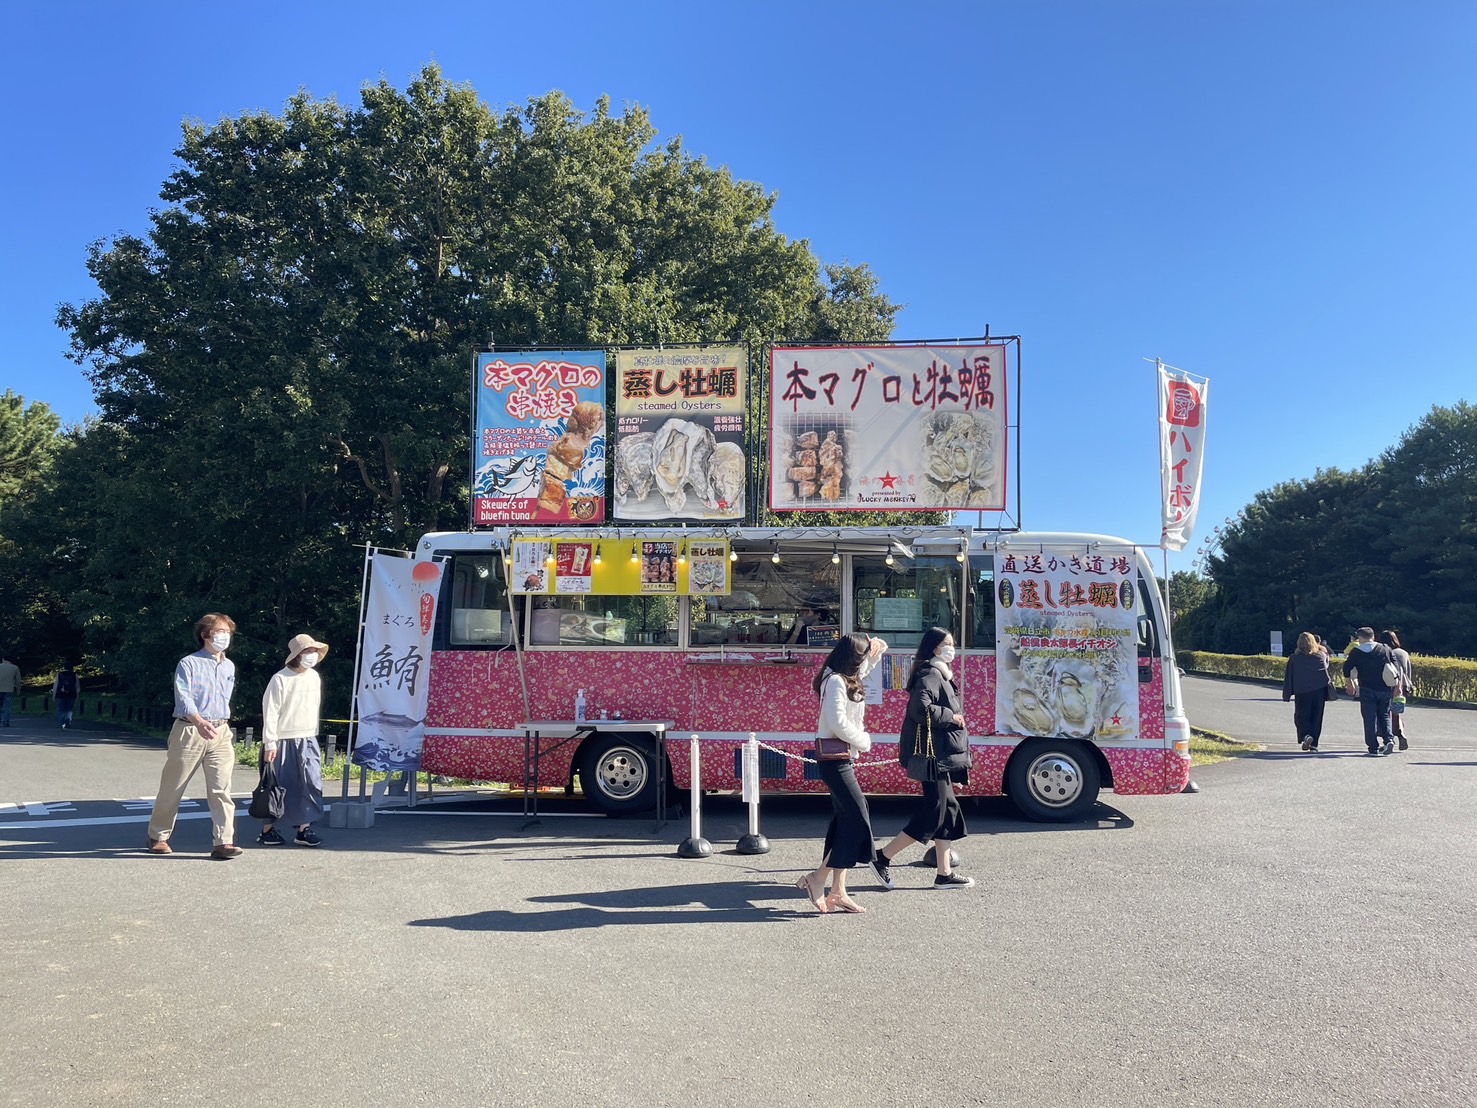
(201, 736)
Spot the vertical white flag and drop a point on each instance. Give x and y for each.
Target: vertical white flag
(1181, 451)
(394, 662)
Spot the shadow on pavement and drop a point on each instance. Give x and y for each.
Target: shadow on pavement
(721, 902)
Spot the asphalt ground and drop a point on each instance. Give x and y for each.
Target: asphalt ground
(1299, 933)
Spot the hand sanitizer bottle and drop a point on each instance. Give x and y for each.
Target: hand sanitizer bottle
(579, 707)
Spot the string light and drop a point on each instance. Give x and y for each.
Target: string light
(888, 559)
(733, 553)
(597, 553)
(835, 555)
(634, 556)
(775, 557)
(682, 554)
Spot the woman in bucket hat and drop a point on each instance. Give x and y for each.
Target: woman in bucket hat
(290, 738)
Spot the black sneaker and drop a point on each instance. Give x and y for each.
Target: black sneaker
(952, 881)
(1388, 748)
(883, 870)
(306, 837)
(270, 837)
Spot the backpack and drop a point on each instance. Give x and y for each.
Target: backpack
(1391, 674)
(66, 684)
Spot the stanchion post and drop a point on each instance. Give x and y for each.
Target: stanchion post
(753, 842)
(695, 846)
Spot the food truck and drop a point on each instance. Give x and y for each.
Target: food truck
(616, 572)
(1065, 665)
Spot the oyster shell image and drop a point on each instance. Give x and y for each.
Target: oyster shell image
(1031, 712)
(682, 453)
(634, 471)
(959, 463)
(728, 473)
(1076, 697)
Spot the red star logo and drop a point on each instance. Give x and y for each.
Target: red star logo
(1117, 720)
(888, 480)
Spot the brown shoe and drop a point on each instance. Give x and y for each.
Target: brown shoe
(159, 846)
(225, 852)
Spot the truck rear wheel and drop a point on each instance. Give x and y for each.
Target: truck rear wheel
(1053, 780)
(618, 774)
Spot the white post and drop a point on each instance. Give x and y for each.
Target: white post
(753, 842)
(695, 846)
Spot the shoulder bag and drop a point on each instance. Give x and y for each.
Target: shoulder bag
(923, 763)
(832, 750)
(269, 798)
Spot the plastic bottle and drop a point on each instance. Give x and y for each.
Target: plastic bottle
(579, 706)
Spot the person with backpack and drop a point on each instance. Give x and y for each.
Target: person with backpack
(64, 689)
(1366, 676)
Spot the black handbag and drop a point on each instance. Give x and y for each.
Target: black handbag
(268, 799)
(923, 765)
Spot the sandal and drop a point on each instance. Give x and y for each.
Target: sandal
(814, 891)
(845, 903)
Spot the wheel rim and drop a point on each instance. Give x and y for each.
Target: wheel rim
(1055, 780)
(621, 772)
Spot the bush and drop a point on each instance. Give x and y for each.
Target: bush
(1453, 679)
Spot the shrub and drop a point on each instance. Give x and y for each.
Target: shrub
(1452, 679)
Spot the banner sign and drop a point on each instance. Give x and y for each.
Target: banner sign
(1065, 644)
(394, 662)
(1181, 452)
(679, 433)
(538, 455)
(621, 567)
(887, 428)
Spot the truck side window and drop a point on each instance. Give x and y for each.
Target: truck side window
(474, 603)
(979, 624)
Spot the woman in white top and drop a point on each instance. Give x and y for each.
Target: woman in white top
(849, 839)
(290, 739)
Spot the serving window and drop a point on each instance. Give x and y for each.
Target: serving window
(586, 620)
(794, 602)
(475, 598)
(899, 602)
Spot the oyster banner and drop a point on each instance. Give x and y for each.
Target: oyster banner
(538, 452)
(1065, 643)
(888, 428)
(394, 662)
(679, 448)
(1181, 451)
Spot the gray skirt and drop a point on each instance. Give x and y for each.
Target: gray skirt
(300, 772)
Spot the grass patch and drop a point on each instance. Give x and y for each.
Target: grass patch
(1209, 747)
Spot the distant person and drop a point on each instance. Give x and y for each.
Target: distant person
(1402, 663)
(64, 689)
(201, 736)
(805, 619)
(10, 684)
(1364, 677)
(849, 840)
(1306, 681)
(934, 711)
(290, 738)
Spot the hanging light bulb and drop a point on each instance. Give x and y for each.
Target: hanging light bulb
(635, 557)
(888, 559)
(597, 553)
(775, 557)
(732, 554)
(835, 555)
(959, 557)
(682, 554)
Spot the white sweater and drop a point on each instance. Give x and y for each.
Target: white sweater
(841, 717)
(290, 706)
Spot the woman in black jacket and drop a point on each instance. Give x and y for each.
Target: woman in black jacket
(933, 704)
(1306, 679)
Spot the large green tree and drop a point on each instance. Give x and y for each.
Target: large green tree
(282, 364)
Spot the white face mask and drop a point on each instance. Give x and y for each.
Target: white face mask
(308, 659)
(944, 654)
(1366, 646)
(219, 641)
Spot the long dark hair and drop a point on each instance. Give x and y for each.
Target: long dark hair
(926, 646)
(844, 661)
(1390, 639)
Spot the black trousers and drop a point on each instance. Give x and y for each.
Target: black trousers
(938, 816)
(1307, 714)
(849, 834)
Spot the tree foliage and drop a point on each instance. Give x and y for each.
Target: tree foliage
(1391, 545)
(283, 363)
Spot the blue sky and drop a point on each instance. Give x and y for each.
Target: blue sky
(1275, 195)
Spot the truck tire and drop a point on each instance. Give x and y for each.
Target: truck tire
(618, 773)
(1053, 780)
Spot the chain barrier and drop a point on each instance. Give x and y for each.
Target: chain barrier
(812, 761)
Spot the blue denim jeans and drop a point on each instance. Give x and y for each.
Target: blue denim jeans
(1374, 706)
(5, 709)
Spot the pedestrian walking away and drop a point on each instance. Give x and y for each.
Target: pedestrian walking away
(934, 723)
(64, 692)
(1400, 694)
(1305, 680)
(849, 840)
(1365, 677)
(290, 740)
(201, 738)
(10, 684)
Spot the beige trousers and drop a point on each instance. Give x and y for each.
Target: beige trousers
(188, 751)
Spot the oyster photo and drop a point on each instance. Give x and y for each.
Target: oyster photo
(959, 461)
(1031, 712)
(729, 474)
(682, 457)
(634, 471)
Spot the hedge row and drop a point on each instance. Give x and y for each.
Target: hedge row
(1452, 679)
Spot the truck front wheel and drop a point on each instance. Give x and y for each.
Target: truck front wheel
(1053, 780)
(618, 774)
